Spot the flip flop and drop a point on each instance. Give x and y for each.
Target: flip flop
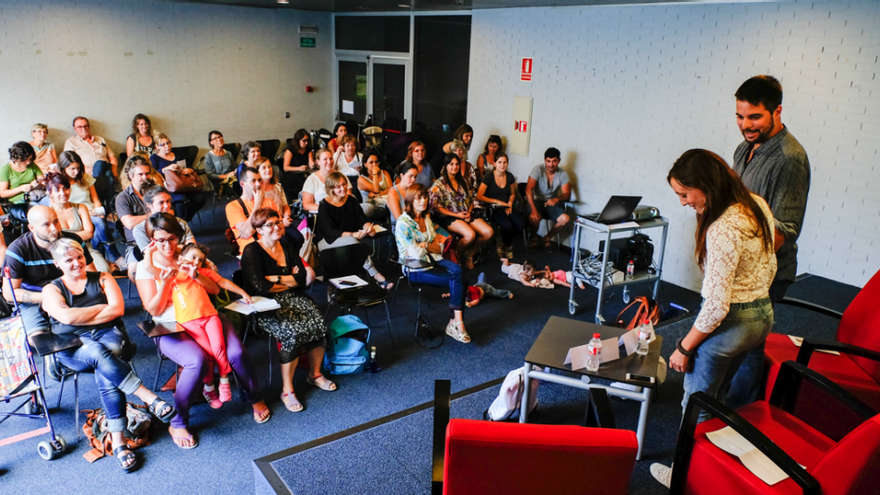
(386, 285)
(124, 454)
(533, 245)
(263, 415)
(548, 248)
(324, 384)
(291, 403)
(189, 438)
(158, 405)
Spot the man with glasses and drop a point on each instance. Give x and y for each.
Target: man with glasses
(240, 211)
(99, 159)
(131, 208)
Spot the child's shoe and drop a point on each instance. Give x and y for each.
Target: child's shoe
(212, 397)
(225, 390)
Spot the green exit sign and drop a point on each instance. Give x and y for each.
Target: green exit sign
(307, 43)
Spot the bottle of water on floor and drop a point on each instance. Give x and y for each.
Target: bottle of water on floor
(630, 270)
(595, 353)
(646, 331)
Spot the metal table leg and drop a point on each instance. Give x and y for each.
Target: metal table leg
(524, 405)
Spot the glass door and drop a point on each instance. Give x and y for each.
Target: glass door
(352, 89)
(390, 92)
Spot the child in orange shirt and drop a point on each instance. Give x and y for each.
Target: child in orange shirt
(194, 311)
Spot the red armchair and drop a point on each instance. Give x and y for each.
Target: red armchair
(850, 466)
(857, 369)
(511, 458)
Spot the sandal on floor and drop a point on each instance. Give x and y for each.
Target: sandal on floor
(533, 245)
(322, 383)
(548, 247)
(159, 405)
(290, 402)
(263, 415)
(189, 438)
(124, 454)
(454, 330)
(469, 263)
(386, 284)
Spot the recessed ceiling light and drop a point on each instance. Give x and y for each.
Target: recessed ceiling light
(285, 2)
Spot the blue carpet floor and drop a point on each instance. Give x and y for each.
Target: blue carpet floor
(502, 332)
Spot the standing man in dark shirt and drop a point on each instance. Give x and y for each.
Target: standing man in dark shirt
(31, 266)
(773, 165)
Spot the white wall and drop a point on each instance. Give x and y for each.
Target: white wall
(190, 67)
(622, 91)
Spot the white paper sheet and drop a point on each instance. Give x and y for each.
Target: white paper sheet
(357, 281)
(258, 305)
(630, 341)
(610, 350)
(378, 229)
(797, 341)
(728, 440)
(348, 107)
(625, 225)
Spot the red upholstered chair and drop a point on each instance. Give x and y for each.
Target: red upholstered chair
(850, 466)
(856, 369)
(511, 458)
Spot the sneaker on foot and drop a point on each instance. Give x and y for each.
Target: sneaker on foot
(662, 473)
(121, 263)
(225, 392)
(213, 398)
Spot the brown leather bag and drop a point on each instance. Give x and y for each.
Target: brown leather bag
(184, 181)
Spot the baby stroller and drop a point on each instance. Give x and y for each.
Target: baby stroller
(19, 379)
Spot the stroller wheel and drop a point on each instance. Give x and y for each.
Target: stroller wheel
(48, 451)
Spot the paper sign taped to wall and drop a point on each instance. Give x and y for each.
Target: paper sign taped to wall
(348, 107)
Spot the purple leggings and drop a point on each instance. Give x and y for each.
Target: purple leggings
(183, 350)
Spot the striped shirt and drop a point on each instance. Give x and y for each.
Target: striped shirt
(89, 152)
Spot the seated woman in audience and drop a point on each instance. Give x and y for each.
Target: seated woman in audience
(20, 175)
(735, 251)
(313, 190)
(185, 204)
(82, 192)
(374, 184)
(273, 190)
(220, 164)
(272, 268)
(141, 138)
(465, 134)
(46, 156)
(468, 171)
(499, 188)
(251, 156)
(348, 161)
(197, 369)
(298, 161)
(417, 240)
(157, 199)
(453, 202)
(486, 161)
(90, 305)
(406, 174)
(342, 222)
(415, 154)
(74, 217)
(339, 131)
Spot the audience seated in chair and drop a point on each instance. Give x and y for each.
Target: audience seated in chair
(99, 159)
(130, 204)
(418, 241)
(90, 305)
(20, 176)
(220, 166)
(297, 161)
(158, 200)
(547, 191)
(272, 189)
(340, 131)
(499, 188)
(486, 161)
(46, 156)
(347, 160)
(471, 174)
(452, 201)
(31, 265)
(272, 268)
(374, 185)
(141, 137)
(253, 199)
(415, 154)
(313, 190)
(186, 204)
(341, 221)
(197, 369)
(251, 156)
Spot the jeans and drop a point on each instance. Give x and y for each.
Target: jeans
(746, 385)
(719, 357)
(103, 173)
(489, 291)
(101, 351)
(104, 234)
(33, 317)
(509, 224)
(197, 367)
(447, 273)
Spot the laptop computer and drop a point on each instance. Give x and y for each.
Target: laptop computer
(617, 210)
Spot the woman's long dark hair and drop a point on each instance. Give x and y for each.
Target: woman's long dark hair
(414, 192)
(708, 172)
(458, 177)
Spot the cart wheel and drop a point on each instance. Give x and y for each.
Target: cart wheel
(572, 308)
(62, 444)
(626, 297)
(45, 450)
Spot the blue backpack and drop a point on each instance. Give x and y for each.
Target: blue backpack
(347, 352)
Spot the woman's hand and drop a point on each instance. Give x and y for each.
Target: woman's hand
(245, 298)
(151, 247)
(679, 362)
(287, 220)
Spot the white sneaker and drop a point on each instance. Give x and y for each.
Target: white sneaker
(662, 473)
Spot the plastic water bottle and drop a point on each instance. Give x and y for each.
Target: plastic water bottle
(374, 363)
(646, 331)
(595, 353)
(630, 270)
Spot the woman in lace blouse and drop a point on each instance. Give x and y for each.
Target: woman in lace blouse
(734, 248)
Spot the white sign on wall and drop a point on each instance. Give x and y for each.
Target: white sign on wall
(522, 126)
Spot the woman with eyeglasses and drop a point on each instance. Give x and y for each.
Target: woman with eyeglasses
(220, 164)
(197, 369)
(272, 268)
(298, 161)
(186, 205)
